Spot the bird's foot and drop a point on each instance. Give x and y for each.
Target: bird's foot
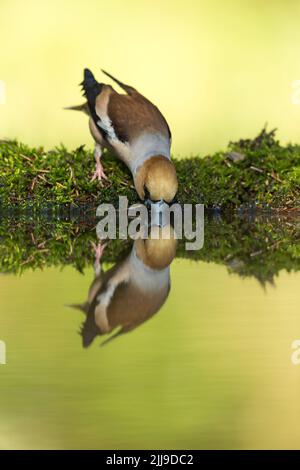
(99, 173)
(98, 250)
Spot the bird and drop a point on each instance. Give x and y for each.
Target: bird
(135, 131)
(130, 292)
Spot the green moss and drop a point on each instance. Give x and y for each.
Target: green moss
(258, 172)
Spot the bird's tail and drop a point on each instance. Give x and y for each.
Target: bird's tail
(91, 88)
(121, 331)
(129, 89)
(80, 107)
(111, 338)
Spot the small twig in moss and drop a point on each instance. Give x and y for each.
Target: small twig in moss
(254, 168)
(268, 248)
(43, 178)
(26, 158)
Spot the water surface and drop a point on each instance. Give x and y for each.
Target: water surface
(210, 369)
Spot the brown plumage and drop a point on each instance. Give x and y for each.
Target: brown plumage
(158, 176)
(135, 130)
(132, 291)
(133, 114)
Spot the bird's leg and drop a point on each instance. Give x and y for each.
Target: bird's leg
(99, 172)
(98, 251)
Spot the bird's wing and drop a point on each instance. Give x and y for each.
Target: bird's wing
(117, 276)
(132, 115)
(129, 89)
(119, 117)
(95, 287)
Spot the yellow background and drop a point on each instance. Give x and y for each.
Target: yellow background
(217, 69)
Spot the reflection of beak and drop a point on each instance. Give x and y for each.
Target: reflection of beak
(149, 203)
(158, 214)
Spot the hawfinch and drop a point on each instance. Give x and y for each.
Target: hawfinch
(132, 291)
(134, 129)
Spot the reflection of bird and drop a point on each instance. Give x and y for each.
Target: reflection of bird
(136, 131)
(131, 291)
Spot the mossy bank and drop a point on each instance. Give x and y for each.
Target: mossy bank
(257, 172)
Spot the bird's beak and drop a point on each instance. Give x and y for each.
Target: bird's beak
(149, 203)
(158, 213)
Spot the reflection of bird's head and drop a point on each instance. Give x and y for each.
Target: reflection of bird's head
(159, 249)
(157, 179)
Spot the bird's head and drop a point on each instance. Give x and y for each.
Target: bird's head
(156, 179)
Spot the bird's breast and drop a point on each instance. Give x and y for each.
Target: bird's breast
(145, 278)
(148, 145)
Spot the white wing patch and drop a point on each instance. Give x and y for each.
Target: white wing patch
(122, 149)
(107, 295)
(106, 125)
(101, 309)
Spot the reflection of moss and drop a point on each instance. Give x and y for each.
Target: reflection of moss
(249, 246)
(258, 171)
(253, 246)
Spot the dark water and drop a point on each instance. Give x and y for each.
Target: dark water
(206, 363)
